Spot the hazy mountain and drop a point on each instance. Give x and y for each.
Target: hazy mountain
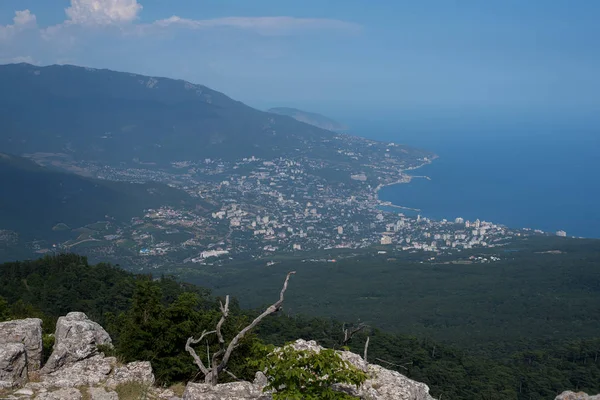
(112, 116)
(315, 119)
(35, 199)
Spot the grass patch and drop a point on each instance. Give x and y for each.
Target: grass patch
(85, 393)
(178, 389)
(133, 391)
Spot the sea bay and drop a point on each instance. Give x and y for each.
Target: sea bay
(540, 177)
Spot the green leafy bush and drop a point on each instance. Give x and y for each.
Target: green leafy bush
(107, 349)
(301, 374)
(47, 346)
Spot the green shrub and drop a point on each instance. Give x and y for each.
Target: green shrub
(47, 346)
(301, 374)
(107, 349)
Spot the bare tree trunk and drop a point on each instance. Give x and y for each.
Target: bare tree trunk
(192, 352)
(366, 348)
(211, 374)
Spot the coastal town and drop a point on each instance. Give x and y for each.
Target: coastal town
(256, 208)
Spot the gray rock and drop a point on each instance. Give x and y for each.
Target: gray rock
(138, 371)
(23, 392)
(88, 372)
(27, 331)
(383, 384)
(61, 394)
(13, 365)
(76, 339)
(387, 385)
(98, 393)
(164, 394)
(568, 395)
(225, 391)
(260, 379)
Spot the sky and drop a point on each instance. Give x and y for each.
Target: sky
(338, 57)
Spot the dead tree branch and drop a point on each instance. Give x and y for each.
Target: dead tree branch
(366, 348)
(211, 374)
(231, 375)
(348, 333)
(395, 365)
(224, 315)
(192, 352)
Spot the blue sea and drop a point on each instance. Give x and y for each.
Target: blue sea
(531, 175)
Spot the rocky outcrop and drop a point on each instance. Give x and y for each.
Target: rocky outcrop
(29, 333)
(224, 391)
(88, 372)
(76, 370)
(76, 339)
(383, 384)
(568, 395)
(138, 371)
(13, 365)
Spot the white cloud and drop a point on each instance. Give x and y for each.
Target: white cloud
(121, 15)
(262, 25)
(102, 12)
(94, 13)
(22, 20)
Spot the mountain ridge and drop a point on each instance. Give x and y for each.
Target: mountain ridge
(122, 118)
(117, 116)
(310, 118)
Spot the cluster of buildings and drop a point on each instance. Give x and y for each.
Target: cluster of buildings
(254, 207)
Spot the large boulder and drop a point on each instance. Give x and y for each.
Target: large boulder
(224, 391)
(27, 331)
(76, 339)
(89, 372)
(13, 365)
(137, 371)
(568, 395)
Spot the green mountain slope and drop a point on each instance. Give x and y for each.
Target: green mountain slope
(35, 199)
(109, 116)
(545, 288)
(315, 119)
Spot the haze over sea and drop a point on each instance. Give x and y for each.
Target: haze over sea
(540, 174)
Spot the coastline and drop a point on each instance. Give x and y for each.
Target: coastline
(405, 178)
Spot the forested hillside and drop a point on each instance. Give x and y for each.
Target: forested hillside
(151, 319)
(540, 288)
(39, 198)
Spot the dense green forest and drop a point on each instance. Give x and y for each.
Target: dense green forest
(151, 318)
(546, 288)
